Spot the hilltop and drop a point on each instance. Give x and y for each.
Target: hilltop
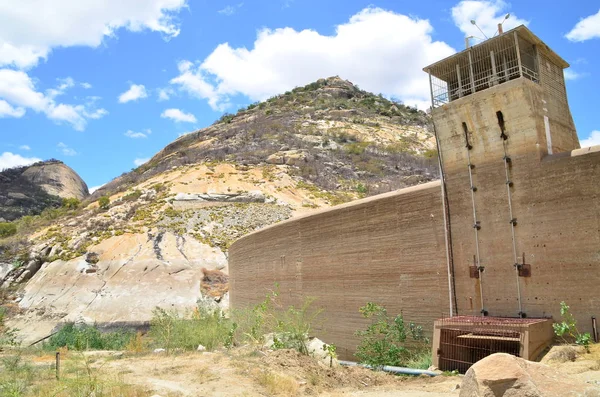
(28, 190)
(159, 235)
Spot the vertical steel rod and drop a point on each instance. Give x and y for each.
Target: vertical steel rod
(444, 208)
(57, 365)
(476, 232)
(512, 226)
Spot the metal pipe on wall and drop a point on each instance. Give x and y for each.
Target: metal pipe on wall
(392, 369)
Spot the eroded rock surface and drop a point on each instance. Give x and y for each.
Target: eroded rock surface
(504, 375)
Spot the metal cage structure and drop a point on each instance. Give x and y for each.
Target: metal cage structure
(511, 55)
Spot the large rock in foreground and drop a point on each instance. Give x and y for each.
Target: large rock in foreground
(504, 375)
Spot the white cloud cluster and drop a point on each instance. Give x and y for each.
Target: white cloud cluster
(230, 10)
(487, 15)
(140, 161)
(66, 150)
(592, 140)
(10, 160)
(164, 94)
(178, 116)
(135, 92)
(137, 135)
(31, 29)
(18, 93)
(379, 50)
(24, 147)
(587, 28)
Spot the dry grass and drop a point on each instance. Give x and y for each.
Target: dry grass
(277, 384)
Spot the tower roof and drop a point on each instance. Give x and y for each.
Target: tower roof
(522, 31)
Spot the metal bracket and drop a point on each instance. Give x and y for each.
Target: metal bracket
(477, 225)
(471, 166)
(510, 183)
(513, 221)
(484, 312)
(507, 159)
(473, 188)
(522, 314)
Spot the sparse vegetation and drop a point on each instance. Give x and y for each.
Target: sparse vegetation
(567, 328)
(391, 340)
(88, 337)
(7, 229)
(104, 202)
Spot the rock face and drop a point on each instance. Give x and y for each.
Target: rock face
(29, 190)
(121, 282)
(504, 375)
(57, 179)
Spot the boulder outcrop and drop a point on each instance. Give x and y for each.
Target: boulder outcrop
(504, 375)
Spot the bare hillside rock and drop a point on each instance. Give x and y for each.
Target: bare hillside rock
(31, 189)
(57, 179)
(504, 375)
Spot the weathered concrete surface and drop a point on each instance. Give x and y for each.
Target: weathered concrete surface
(387, 249)
(554, 199)
(130, 279)
(390, 248)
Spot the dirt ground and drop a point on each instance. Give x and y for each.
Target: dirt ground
(252, 373)
(248, 373)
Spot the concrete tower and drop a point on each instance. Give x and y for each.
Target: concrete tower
(501, 115)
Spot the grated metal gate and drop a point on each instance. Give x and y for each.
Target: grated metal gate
(465, 340)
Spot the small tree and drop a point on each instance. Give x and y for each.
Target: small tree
(567, 328)
(104, 202)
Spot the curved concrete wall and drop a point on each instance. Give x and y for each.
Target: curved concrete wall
(387, 249)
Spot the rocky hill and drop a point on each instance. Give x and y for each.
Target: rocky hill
(30, 189)
(159, 235)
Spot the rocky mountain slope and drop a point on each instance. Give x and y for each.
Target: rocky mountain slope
(158, 236)
(30, 189)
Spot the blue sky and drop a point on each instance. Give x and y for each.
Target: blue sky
(105, 86)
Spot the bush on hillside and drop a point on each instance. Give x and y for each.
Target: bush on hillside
(104, 202)
(7, 229)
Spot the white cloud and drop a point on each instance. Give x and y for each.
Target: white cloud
(230, 10)
(135, 92)
(94, 188)
(487, 15)
(66, 150)
(379, 50)
(24, 147)
(135, 135)
(587, 28)
(570, 74)
(6, 110)
(10, 160)
(178, 116)
(592, 140)
(86, 86)
(26, 36)
(18, 93)
(164, 94)
(139, 162)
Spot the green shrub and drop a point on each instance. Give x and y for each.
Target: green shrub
(71, 203)
(389, 341)
(567, 328)
(7, 229)
(88, 337)
(171, 330)
(133, 196)
(104, 202)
